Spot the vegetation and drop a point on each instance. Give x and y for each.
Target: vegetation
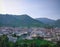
(19, 21)
(4, 42)
(57, 23)
(25, 21)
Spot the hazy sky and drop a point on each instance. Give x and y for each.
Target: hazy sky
(34, 8)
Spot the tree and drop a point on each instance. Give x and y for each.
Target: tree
(58, 44)
(11, 44)
(3, 41)
(33, 44)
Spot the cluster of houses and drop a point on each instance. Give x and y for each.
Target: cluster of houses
(29, 33)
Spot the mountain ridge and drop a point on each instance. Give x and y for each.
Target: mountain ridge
(26, 21)
(19, 20)
(55, 23)
(46, 20)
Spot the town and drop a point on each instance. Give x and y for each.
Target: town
(52, 34)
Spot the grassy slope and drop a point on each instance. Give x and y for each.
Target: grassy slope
(37, 41)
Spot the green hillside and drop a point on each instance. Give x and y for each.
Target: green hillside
(19, 21)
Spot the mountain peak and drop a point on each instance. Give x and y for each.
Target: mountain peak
(24, 15)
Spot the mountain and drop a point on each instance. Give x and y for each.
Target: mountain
(19, 21)
(57, 23)
(49, 22)
(46, 21)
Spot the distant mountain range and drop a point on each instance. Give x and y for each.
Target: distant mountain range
(46, 20)
(19, 21)
(26, 21)
(55, 23)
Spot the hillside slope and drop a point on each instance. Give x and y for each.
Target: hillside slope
(19, 21)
